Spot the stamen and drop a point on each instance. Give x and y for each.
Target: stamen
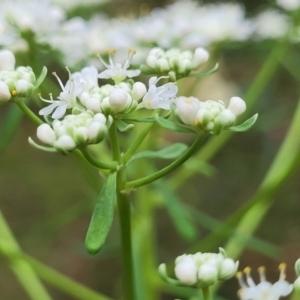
(261, 270)
(282, 268)
(59, 81)
(14, 92)
(249, 279)
(239, 276)
(102, 61)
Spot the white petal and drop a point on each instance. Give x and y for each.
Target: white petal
(48, 110)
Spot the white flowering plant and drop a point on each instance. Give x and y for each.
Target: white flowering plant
(130, 112)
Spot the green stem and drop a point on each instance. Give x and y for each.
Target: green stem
(125, 228)
(206, 293)
(136, 143)
(216, 143)
(179, 161)
(124, 211)
(285, 162)
(29, 113)
(96, 163)
(23, 271)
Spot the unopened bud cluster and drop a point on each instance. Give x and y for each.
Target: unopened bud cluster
(204, 269)
(113, 99)
(17, 82)
(211, 116)
(174, 62)
(73, 131)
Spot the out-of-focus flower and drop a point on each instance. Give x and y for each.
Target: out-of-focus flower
(116, 71)
(14, 83)
(264, 290)
(174, 62)
(289, 4)
(201, 269)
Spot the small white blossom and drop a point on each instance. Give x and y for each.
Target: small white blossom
(66, 99)
(159, 97)
(4, 92)
(116, 71)
(186, 269)
(186, 108)
(264, 290)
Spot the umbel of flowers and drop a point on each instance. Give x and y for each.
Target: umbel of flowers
(201, 270)
(16, 83)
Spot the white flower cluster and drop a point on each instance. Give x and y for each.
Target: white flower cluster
(204, 269)
(73, 131)
(83, 92)
(264, 290)
(174, 62)
(17, 82)
(211, 116)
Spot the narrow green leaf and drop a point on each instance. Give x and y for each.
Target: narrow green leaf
(122, 126)
(174, 126)
(41, 78)
(171, 152)
(244, 126)
(8, 127)
(201, 75)
(102, 216)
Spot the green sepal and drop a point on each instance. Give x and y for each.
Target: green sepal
(174, 126)
(122, 126)
(205, 74)
(171, 152)
(41, 78)
(102, 216)
(162, 271)
(44, 148)
(244, 126)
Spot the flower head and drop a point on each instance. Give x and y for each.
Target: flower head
(66, 99)
(116, 71)
(264, 290)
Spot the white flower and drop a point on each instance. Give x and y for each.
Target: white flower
(264, 290)
(7, 60)
(116, 71)
(159, 97)
(289, 4)
(67, 98)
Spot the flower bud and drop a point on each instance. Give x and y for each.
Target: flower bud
(7, 60)
(186, 270)
(46, 134)
(227, 269)
(201, 56)
(118, 100)
(80, 135)
(186, 109)
(24, 87)
(237, 105)
(96, 132)
(65, 143)
(4, 92)
(207, 274)
(138, 91)
(297, 267)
